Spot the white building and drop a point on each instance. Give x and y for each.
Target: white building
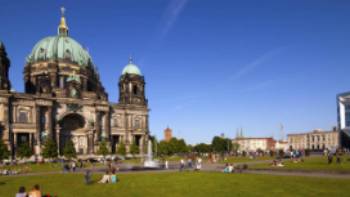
(253, 144)
(314, 140)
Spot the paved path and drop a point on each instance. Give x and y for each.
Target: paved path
(174, 167)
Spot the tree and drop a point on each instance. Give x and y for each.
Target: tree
(50, 149)
(134, 149)
(121, 149)
(174, 146)
(4, 152)
(219, 144)
(202, 148)
(24, 151)
(69, 150)
(164, 148)
(103, 149)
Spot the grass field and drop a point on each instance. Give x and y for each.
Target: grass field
(180, 184)
(317, 163)
(27, 168)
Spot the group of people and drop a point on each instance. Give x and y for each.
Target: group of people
(331, 154)
(197, 165)
(35, 192)
(109, 177)
(72, 166)
(230, 168)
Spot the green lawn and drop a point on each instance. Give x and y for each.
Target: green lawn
(27, 168)
(181, 184)
(317, 163)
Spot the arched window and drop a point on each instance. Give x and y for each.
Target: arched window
(42, 54)
(67, 54)
(135, 89)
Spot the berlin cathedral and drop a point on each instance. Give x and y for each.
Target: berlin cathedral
(65, 100)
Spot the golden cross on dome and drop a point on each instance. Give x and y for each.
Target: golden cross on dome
(63, 10)
(130, 59)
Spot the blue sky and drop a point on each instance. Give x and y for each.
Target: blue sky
(210, 66)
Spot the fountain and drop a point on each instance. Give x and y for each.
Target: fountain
(149, 162)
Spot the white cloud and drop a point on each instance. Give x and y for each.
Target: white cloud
(256, 63)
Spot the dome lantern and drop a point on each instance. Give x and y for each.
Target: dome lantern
(62, 27)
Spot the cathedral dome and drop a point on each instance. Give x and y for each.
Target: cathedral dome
(131, 68)
(59, 48)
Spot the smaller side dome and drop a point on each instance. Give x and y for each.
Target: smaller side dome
(131, 68)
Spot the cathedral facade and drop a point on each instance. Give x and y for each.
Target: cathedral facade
(64, 99)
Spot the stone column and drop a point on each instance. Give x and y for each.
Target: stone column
(97, 126)
(15, 140)
(91, 142)
(30, 140)
(49, 122)
(58, 137)
(141, 144)
(38, 129)
(107, 128)
(61, 81)
(53, 80)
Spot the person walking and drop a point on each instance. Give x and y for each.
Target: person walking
(189, 163)
(182, 165)
(166, 164)
(87, 177)
(74, 165)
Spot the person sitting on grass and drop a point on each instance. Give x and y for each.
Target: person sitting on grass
(230, 168)
(114, 178)
(21, 192)
(35, 191)
(106, 178)
(226, 169)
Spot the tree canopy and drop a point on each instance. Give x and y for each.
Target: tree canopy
(221, 145)
(121, 149)
(24, 151)
(4, 152)
(103, 149)
(69, 150)
(174, 146)
(202, 148)
(50, 149)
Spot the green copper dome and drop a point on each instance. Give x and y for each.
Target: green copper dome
(131, 68)
(59, 48)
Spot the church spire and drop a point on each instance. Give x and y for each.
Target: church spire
(62, 27)
(4, 69)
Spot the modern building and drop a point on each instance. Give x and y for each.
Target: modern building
(314, 140)
(252, 144)
(168, 134)
(343, 112)
(64, 100)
